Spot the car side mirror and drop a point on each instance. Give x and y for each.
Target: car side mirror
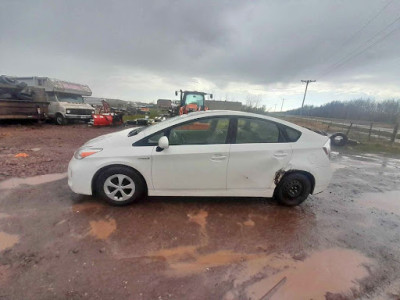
(163, 143)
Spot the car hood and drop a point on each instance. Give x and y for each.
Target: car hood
(115, 138)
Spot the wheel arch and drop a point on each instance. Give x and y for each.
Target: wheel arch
(282, 173)
(102, 169)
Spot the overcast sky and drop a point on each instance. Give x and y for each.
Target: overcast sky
(239, 50)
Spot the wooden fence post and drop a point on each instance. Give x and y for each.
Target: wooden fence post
(394, 134)
(369, 133)
(348, 129)
(329, 125)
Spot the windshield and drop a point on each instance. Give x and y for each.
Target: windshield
(70, 98)
(195, 99)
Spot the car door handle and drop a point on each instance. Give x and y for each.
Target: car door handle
(218, 157)
(281, 154)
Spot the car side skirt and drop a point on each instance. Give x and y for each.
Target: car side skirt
(214, 193)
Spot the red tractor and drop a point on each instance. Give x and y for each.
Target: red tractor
(191, 101)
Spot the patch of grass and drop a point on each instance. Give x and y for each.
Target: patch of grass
(373, 147)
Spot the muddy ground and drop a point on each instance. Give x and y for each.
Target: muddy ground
(49, 147)
(340, 244)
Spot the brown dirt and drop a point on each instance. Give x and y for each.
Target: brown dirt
(49, 147)
(54, 244)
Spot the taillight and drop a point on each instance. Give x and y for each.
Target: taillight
(327, 148)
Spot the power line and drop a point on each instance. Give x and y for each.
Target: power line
(367, 23)
(362, 51)
(359, 47)
(360, 30)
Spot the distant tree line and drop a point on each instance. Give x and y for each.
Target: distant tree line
(359, 109)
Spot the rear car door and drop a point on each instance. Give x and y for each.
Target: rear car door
(197, 157)
(257, 153)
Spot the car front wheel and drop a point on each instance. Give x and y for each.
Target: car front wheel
(293, 189)
(120, 186)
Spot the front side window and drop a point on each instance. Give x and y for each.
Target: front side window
(256, 131)
(200, 132)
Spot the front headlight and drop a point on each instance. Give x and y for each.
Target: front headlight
(85, 152)
(68, 111)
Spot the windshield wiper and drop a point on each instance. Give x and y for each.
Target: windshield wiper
(135, 131)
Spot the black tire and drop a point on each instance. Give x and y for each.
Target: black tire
(123, 196)
(293, 189)
(60, 119)
(339, 139)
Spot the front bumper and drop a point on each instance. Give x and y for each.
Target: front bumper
(80, 174)
(79, 117)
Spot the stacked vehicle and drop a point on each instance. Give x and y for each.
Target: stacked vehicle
(19, 101)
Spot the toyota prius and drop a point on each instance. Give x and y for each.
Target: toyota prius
(210, 153)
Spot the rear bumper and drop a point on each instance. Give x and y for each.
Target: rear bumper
(322, 177)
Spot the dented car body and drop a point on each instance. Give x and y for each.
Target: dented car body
(211, 153)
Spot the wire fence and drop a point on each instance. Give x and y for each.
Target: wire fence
(356, 130)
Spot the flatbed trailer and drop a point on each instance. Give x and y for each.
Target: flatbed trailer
(23, 109)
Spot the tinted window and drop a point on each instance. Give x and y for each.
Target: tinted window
(200, 132)
(292, 134)
(151, 140)
(256, 131)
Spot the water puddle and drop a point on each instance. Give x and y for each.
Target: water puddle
(177, 254)
(386, 201)
(333, 270)
(7, 240)
(87, 206)
(201, 219)
(249, 223)
(3, 216)
(13, 183)
(4, 273)
(261, 276)
(102, 229)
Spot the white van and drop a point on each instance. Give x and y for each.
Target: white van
(65, 98)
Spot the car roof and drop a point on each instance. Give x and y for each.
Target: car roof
(215, 113)
(195, 115)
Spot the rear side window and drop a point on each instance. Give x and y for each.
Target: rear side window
(256, 131)
(292, 134)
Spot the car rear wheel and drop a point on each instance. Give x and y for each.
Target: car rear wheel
(293, 189)
(120, 186)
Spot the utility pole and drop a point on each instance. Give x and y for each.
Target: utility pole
(283, 100)
(305, 92)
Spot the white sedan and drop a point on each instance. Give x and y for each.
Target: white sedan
(211, 153)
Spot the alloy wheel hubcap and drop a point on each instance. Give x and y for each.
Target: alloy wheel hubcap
(119, 187)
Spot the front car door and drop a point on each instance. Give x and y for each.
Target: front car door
(197, 158)
(257, 154)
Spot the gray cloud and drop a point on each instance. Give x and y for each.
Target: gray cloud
(251, 42)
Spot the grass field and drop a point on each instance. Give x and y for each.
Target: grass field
(378, 142)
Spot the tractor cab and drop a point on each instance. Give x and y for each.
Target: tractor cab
(191, 101)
